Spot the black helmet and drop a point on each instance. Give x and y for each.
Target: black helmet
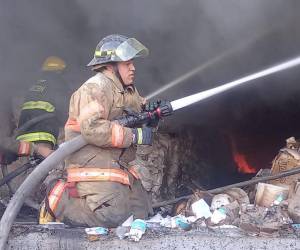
(117, 48)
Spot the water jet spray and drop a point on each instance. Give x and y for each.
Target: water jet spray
(188, 100)
(209, 63)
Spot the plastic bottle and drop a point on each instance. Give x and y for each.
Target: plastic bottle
(138, 228)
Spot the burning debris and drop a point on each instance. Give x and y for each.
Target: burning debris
(240, 160)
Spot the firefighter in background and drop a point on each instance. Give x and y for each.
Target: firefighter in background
(43, 112)
(45, 107)
(101, 189)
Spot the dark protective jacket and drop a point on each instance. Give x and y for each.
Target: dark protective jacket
(48, 96)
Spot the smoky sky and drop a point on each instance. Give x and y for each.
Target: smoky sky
(181, 35)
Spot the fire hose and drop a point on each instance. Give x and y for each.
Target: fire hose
(75, 144)
(9, 176)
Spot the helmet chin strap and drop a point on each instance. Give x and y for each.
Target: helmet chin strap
(117, 73)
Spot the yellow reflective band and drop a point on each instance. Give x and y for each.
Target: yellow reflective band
(47, 106)
(140, 136)
(37, 136)
(53, 64)
(103, 53)
(97, 53)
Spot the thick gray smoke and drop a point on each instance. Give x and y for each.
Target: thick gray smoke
(181, 35)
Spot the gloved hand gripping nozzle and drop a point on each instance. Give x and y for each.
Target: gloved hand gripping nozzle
(147, 117)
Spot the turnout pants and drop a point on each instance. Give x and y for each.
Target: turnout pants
(100, 203)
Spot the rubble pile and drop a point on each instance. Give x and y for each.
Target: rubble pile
(270, 215)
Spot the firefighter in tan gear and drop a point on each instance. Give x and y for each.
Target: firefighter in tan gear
(101, 187)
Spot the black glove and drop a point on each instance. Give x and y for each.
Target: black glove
(151, 106)
(142, 136)
(36, 159)
(164, 106)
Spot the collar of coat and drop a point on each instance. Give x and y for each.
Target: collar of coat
(119, 85)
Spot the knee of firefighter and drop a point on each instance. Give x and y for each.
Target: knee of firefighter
(113, 209)
(140, 201)
(108, 199)
(73, 211)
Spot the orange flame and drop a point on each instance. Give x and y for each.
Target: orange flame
(240, 160)
(243, 166)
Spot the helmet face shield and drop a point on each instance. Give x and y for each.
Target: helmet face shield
(118, 48)
(130, 49)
